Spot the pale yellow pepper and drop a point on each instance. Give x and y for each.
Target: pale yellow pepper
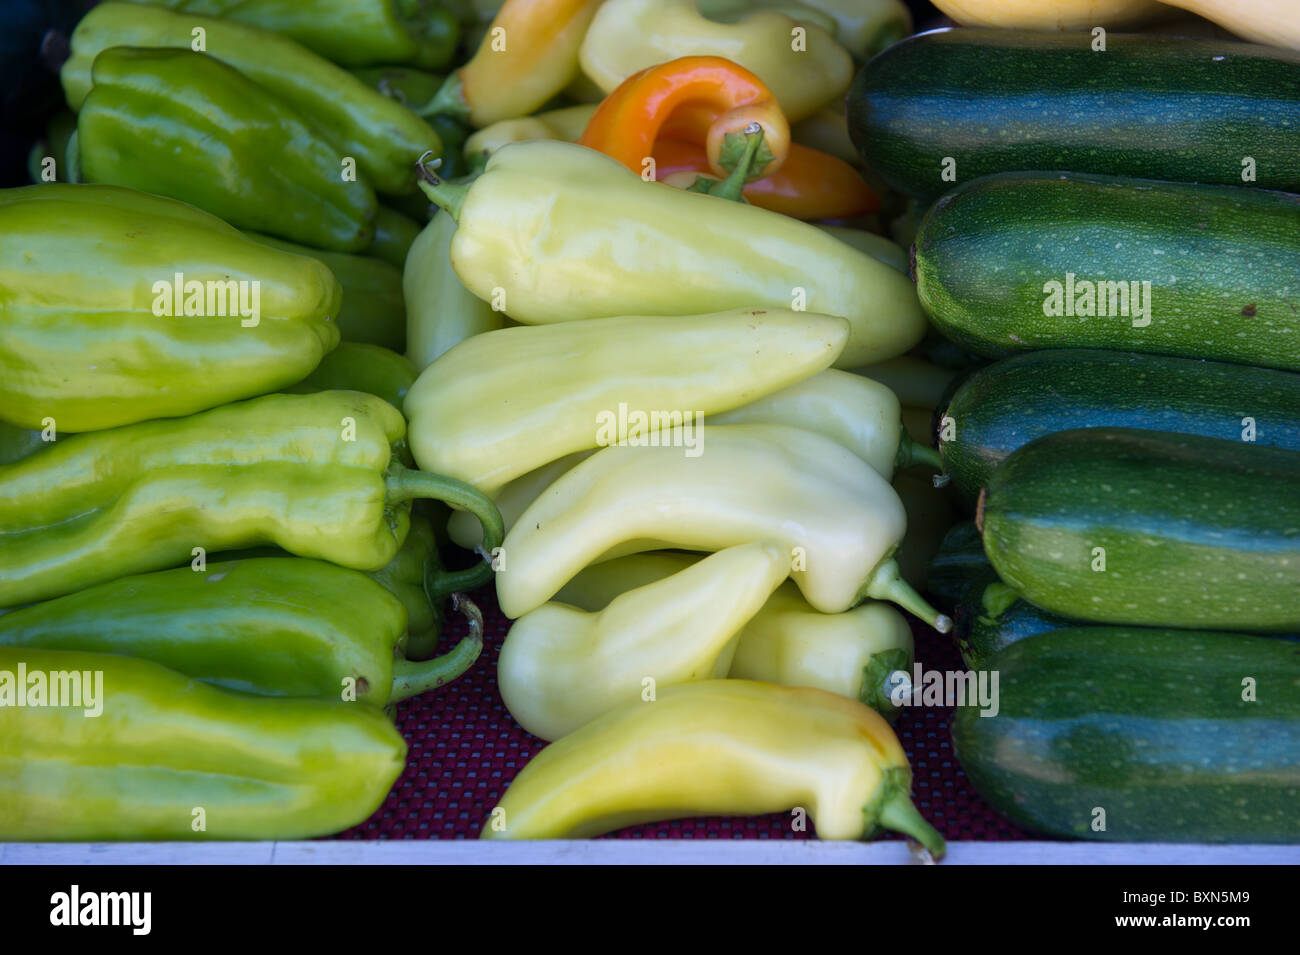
(565, 124)
(511, 500)
(501, 404)
(787, 641)
(798, 61)
(839, 519)
(562, 667)
(719, 747)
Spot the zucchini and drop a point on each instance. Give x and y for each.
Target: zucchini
(959, 560)
(991, 616)
(1114, 525)
(1004, 406)
(973, 102)
(1051, 260)
(1149, 727)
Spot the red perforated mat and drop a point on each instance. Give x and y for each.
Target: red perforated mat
(465, 749)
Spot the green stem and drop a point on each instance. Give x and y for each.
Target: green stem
(404, 484)
(734, 185)
(446, 195)
(896, 812)
(913, 452)
(448, 101)
(886, 583)
(876, 684)
(411, 678)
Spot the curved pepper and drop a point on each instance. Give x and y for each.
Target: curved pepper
(394, 235)
(839, 519)
(719, 747)
(512, 499)
(804, 71)
(809, 185)
(858, 413)
(546, 218)
(501, 404)
(354, 366)
(440, 311)
(259, 767)
(729, 97)
(381, 135)
(225, 145)
(876, 246)
(349, 32)
(83, 269)
(786, 642)
(276, 626)
(560, 668)
(373, 310)
(528, 55)
(313, 474)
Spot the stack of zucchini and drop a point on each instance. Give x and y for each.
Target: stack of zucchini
(1115, 220)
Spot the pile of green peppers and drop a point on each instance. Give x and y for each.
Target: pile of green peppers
(218, 564)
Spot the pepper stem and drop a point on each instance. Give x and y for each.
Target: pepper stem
(411, 678)
(887, 583)
(449, 196)
(892, 808)
(448, 101)
(913, 452)
(404, 484)
(734, 185)
(877, 687)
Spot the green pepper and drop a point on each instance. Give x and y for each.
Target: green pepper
(412, 576)
(441, 312)
(17, 443)
(276, 626)
(355, 366)
(97, 283)
(383, 137)
(187, 126)
(167, 757)
(313, 474)
(373, 311)
(414, 88)
(394, 233)
(349, 32)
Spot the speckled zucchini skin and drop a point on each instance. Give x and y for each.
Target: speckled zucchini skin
(1197, 532)
(997, 100)
(1006, 405)
(1148, 725)
(1221, 262)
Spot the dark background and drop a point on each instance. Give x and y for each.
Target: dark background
(31, 32)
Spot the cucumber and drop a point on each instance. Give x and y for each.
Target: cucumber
(971, 102)
(1053, 260)
(991, 616)
(1113, 525)
(959, 560)
(1149, 726)
(1003, 406)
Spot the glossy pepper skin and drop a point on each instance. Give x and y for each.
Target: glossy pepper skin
(383, 136)
(276, 626)
(440, 311)
(313, 474)
(394, 234)
(719, 747)
(565, 124)
(786, 642)
(187, 126)
(348, 32)
(260, 768)
(512, 499)
(373, 311)
(415, 565)
(82, 268)
(506, 402)
(839, 520)
(353, 366)
(528, 55)
(726, 96)
(17, 443)
(546, 219)
(560, 667)
(630, 35)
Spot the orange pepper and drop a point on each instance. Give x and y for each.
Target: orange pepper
(810, 185)
(715, 99)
